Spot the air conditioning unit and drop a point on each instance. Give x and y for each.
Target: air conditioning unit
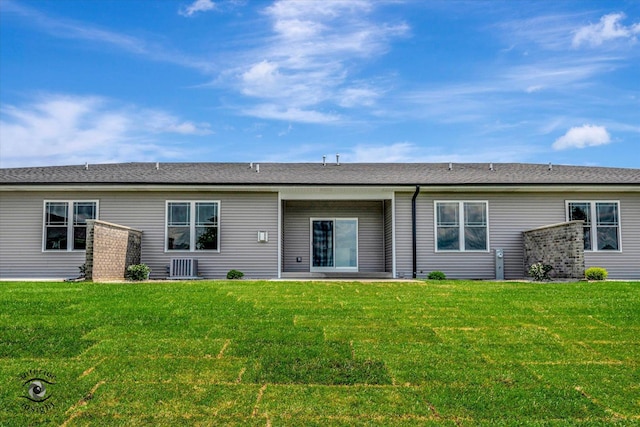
(183, 268)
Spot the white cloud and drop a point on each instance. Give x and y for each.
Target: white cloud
(275, 112)
(261, 79)
(58, 128)
(298, 29)
(197, 6)
(358, 96)
(69, 29)
(556, 32)
(333, 30)
(555, 74)
(161, 122)
(286, 131)
(609, 28)
(551, 32)
(398, 152)
(534, 88)
(309, 58)
(501, 95)
(408, 152)
(583, 136)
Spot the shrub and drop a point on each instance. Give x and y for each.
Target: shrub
(235, 274)
(539, 271)
(138, 272)
(436, 275)
(596, 273)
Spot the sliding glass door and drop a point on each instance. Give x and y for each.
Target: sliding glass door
(334, 244)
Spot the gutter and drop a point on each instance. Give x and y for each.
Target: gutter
(413, 232)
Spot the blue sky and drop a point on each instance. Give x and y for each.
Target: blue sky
(376, 81)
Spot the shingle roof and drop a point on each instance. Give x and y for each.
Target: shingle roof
(387, 174)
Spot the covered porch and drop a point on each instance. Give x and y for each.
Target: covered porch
(334, 237)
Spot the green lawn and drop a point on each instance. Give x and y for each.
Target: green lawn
(320, 353)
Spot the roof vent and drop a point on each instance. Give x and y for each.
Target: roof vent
(337, 159)
(157, 166)
(324, 160)
(257, 167)
(491, 166)
(251, 165)
(450, 166)
(86, 166)
(550, 166)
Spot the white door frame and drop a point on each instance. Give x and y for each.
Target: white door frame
(333, 268)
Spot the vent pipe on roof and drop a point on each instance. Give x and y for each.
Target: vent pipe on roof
(550, 166)
(157, 166)
(251, 165)
(337, 159)
(324, 160)
(450, 166)
(257, 167)
(86, 166)
(491, 166)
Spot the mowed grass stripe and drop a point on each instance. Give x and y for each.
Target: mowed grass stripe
(323, 353)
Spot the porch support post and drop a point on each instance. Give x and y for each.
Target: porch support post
(413, 232)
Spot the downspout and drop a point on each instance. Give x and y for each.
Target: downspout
(413, 232)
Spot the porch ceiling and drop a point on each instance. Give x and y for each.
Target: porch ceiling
(337, 193)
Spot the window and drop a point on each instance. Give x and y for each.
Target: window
(192, 226)
(461, 226)
(65, 224)
(604, 235)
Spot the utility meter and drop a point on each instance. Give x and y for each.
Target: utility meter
(499, 264)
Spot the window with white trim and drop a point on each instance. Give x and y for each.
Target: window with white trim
(65, 224)
(461, 226)
(601, 223)
(192, 226)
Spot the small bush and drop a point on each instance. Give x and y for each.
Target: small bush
(436, 275)
(235, 274)
(138, 272)
(539, 271)
(596, 273)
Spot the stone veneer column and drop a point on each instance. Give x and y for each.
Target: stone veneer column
(560, 245)
(111, 248)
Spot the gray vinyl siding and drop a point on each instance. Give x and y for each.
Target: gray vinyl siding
(388, 236)
(624, 264)
(509, 215)
(21, 223)
(242, 215)
(296, 229)
(403, 235)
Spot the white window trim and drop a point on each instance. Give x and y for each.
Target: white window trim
(70, 224)
(335, 269)
(460, 225)
(192, 227)
(594, 226)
